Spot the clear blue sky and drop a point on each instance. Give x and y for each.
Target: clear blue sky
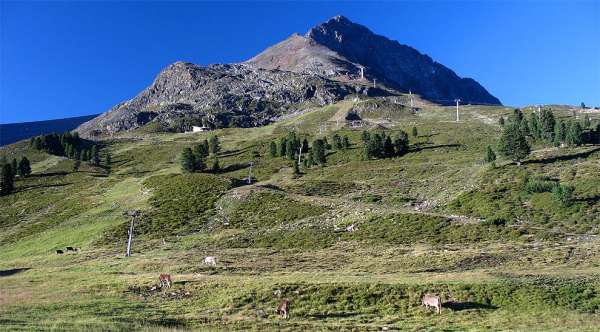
(62, 59)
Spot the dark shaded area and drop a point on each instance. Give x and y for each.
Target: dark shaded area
(14, 132)
(429, 147)
(234, 167)
(550, 160)
(41, 175)
(6, 273)
(331, 315)
(459, 306)
(40, 186)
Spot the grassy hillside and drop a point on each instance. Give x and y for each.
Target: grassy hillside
(493, 241)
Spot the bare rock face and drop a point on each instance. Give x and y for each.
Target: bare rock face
(338, 49)
(218, 95)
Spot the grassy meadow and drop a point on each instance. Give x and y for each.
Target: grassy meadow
(503, 254)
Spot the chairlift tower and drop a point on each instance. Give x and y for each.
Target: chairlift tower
(134, 214)
(457, 116)
(249, 180)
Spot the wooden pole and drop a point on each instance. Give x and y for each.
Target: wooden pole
(128, 253)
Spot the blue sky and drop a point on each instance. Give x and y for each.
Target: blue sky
(62, 59)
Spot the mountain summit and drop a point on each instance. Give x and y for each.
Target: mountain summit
(331, 61)
(339, 48)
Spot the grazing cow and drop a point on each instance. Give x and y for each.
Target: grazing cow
(165, 280)
(210, 260)
(284, 309)
(351, 228)
(70, 249)
(59, 252)
(434, 301)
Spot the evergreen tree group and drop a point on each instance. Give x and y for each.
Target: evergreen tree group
(195, 158)
(67, 144)
(9, 170)
(380, 145)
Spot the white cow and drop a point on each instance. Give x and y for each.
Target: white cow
(210, 260)
(434, 301)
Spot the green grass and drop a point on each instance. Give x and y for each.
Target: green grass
(532, 264)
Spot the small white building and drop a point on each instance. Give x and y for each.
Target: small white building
(196, 129)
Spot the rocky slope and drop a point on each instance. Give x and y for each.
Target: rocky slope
(338, 49)
(321, 67)
(220, 96)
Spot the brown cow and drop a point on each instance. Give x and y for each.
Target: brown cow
(434, 301)
(165, 280)
(284, 309)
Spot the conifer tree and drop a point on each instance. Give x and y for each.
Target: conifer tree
(6, 180)
(574, 135)
(14, 166)
(108, 159)
(215, 164)
(24, 167)
(214, 145)
(94, 156)
(401, 143)
(560, 133)
(282, 147)
(296, 167)
(388, 147)
(290, 150)
(305, 146)
(273, 149)
(415, 133)
(513, 144)
(346, 142)
(546, 125)
(586, 122)
(337, 142)
(365, 136)
(501, 121)
(76, 165)
(188, 162)
(490, 156)
(319, 152)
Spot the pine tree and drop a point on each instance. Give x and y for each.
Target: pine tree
(76, 165)
(513, 144)
(388, 148)
(305, 146)
(490, 156)
(560, 133)
(24, 167)
(501, 121)
(94, 156)
(401, 143)
(296, 167)
(215, 165)
(546, 125)
(282, 147)
(346, 142)
(319, 152)
(188, 162)
(415, 133)
(6, 180)
(214, 145)
(365, 136)
(37, 143)
(574, 135)
(200, 151)
(108, 159)
(337, 142)
(273, 149)
(290, 150)
(14, 165)
(310, 160)
(206, 146)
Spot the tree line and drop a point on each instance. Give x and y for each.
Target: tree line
(67, 145)
(8, 172)
(195, 158)
(544, 127)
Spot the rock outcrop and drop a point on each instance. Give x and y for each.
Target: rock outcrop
(339, 48)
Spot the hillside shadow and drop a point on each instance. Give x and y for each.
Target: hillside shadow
(235, 152)
(332, 315)
(468, 305)
(567, 157)
(430, 147)
(41, 175)
(6, 273)
(41, 186)
(234, 167)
